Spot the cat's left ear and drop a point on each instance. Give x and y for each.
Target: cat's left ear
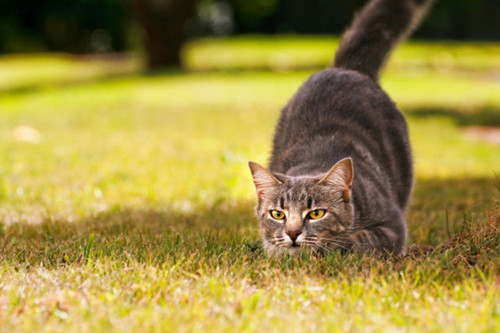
(340, 175)
(262, 178)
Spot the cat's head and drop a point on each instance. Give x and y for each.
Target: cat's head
(312, 212)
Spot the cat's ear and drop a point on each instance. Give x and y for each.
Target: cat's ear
(262, 178)
(340, 175)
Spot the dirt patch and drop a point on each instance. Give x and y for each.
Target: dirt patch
(483, 133)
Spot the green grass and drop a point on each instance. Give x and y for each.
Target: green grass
(131, 207)
(24, 72)
(288, 53)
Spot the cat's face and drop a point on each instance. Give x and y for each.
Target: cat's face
(315, 213)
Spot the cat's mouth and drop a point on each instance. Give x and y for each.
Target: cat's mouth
(294, 249)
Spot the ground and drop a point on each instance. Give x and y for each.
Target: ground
(126, 202)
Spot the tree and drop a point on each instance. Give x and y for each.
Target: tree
(164, 24)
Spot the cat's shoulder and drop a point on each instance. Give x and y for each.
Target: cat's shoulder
(338, 81)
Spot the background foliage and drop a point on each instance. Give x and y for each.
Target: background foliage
(97, 26)
(79, 26)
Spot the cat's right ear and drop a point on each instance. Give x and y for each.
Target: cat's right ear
(340, 176)
(262, 178)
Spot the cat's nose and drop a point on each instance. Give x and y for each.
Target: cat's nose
(293, 234)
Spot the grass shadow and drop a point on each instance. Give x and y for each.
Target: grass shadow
(68, 82)
(486, 116)
(223, 236)
(148, 235)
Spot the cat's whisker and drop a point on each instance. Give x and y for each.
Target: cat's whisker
(307, 244)
(336, 240)
(337, 244)
(282, 243)
(325, 248)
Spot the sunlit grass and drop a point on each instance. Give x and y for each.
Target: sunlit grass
(289, 53)
(20, 72)
(155, 168)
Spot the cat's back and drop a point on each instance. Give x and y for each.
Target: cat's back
(339, 102)
(340, 94)
(341, 113)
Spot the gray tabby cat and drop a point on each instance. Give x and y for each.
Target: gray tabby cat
(340, 117)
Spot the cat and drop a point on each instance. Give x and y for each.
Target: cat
(341, 169)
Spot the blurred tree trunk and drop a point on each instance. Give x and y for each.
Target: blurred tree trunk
(164, 24)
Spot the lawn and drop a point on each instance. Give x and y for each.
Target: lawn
(126, 203)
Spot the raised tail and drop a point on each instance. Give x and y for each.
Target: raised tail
(375, 31)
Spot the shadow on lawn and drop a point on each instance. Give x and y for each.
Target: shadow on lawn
(485, 116)
(158, 236)
(68, 82)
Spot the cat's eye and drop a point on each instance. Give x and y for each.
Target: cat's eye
(316, 214)
(277, 214)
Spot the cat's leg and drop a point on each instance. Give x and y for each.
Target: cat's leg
(384, 238)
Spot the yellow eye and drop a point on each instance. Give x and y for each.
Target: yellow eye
(316, 214)
(277, 215)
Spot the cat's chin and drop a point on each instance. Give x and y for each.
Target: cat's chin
(274, 251)
(294, 250)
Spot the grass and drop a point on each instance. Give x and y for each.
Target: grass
(289, 53)
(126, 203)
